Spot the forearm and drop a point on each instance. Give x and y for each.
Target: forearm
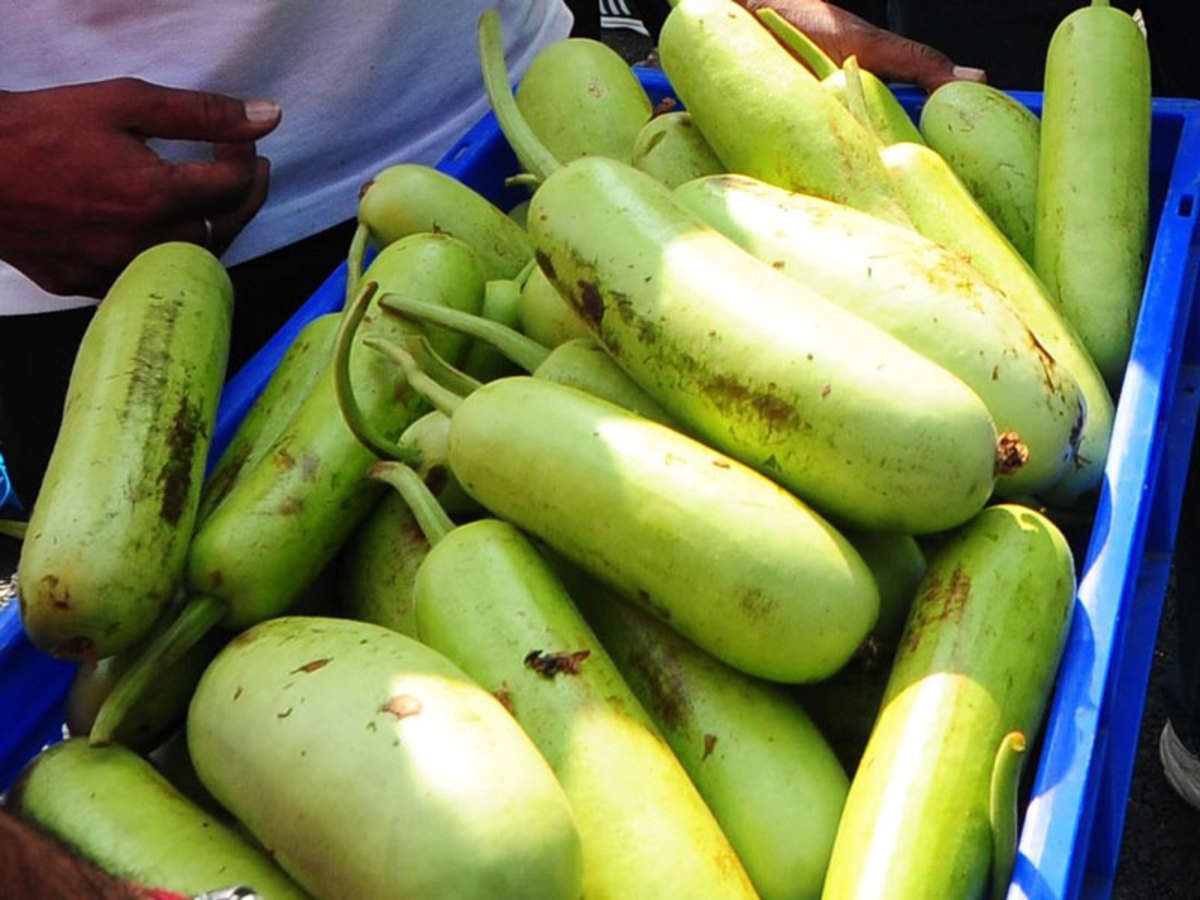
(841, 33)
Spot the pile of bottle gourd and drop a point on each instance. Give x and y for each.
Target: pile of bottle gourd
(683, 532)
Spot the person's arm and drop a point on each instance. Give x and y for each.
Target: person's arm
(840, 34)
(34, 866)
(81, 193)
(888, 55)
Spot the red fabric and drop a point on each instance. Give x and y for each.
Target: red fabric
(148, 893)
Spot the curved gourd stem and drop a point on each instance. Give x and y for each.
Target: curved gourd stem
(530, 151)
(1006, 773)
(523, 275)
(856, 98)
(13, 529)
(798, 42)
(433, 365)
(526, 353)
(354, 261)
(446, 401)
(523, 179)
(430, 516)
(198, 616)
(358, 423)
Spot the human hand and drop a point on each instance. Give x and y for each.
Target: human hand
(34, 866)
(81, 193)
(888, 55)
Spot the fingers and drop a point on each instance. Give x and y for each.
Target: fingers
(890, 56)
(227, 226)
(897, 58)
(194, 187)
(151, 110)
(226, 223)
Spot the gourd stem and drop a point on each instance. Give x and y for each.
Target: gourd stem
(354, 261)
(198, 616)
(526, 353)
(526, 271)
(1002, 802)
(798, 42)
(444, 400)
(428, 360)
(358, 423)
(856, 98)
(523, 179)
(430, 516)
(532, 153)
(13, 529)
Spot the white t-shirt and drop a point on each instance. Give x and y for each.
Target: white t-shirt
(363, 84)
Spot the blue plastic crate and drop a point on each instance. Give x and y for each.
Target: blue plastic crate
(1072, 826)
(9, 504)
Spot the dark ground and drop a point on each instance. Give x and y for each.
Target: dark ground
(1160, 850)
(1160, 855)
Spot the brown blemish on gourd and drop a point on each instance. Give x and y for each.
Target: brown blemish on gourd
(283, 715)
(49, 585)
(80, 647)
(545, 264)
(291, 506)
(316, 664)
(249, 636)
(756, 604)
(223, 478)
(1077, 432)
(366, 186)
(591, 304)
(729, 393)
(237, 693)
(938, 603)
(550, 664)
(147, 377)
(1011, 453)
(283, 460)
(1047, 361)
(504, 695)
(176, 474)
(402, 706)
(667, 695)
(654, 141)
(710, 742)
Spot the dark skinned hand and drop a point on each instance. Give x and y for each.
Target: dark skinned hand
(81, 193)
(888, 55)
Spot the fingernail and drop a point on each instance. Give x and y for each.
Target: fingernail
(260, 111)
(966, 73)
